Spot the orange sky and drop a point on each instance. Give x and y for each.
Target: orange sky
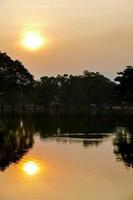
(94, 35)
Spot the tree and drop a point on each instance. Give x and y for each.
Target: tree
(125, 85)
(99, 89)
(89, 88)
(46, 90)
(14, 77)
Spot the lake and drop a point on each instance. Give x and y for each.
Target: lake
(75, 158)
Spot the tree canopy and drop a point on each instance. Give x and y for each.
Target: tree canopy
(125, 85)
(89, 88)
(14, 77)
(13, 74)
(17, 86)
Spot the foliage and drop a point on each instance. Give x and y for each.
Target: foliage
(125, 85)
(89, 88)
(15, 80)
(17, 86)
(46, 90)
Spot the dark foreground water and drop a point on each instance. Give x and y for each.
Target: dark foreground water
(66, 159)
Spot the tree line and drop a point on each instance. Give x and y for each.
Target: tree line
(18, 86)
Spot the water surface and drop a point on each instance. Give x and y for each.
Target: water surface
(67, 158)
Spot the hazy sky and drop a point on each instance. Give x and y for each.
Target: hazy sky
(81, 34)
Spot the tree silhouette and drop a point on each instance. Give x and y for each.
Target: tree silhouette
(14, 77)
(89, 88)
(125, 85)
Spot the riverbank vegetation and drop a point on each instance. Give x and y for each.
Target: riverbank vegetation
(18, 87)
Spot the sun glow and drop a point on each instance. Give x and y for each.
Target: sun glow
(32, 40)
(31, 168)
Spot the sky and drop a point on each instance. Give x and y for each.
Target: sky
(96, 35)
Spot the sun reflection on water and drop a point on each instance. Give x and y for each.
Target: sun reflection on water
(31, 168)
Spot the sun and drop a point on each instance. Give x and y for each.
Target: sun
(32, 40)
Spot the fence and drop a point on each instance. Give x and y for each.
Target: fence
(63, 109)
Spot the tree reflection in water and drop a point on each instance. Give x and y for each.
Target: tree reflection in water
(15, 141)
(87, 131)
(17, 135)
(87, 140)
(123, 143)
